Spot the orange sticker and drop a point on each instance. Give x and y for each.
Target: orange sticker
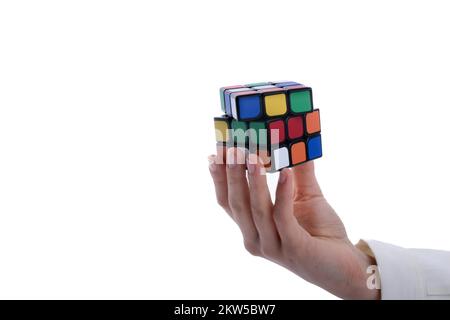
(313, 122)
(298, 152)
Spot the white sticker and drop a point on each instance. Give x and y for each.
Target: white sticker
(238, 90)
(280, 158)
(264, 87)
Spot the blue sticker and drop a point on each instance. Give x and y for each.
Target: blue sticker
(249, 107)
(315, 147)
(227, 98)
(287, 84)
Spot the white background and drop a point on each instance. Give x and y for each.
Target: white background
(106, 123)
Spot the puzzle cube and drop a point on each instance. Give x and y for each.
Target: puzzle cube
(275, 120)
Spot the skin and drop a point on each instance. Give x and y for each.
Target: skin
(300, 231)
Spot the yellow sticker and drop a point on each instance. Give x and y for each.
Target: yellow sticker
(221, 131)
(275, 104)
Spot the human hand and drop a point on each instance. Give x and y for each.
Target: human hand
(300, 231)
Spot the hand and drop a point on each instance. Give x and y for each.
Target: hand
(300, 231)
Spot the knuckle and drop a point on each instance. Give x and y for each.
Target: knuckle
(258, 212)
(223, 202)
(269, 251)
(286, 249)
(290, 247)
(234, 181)
(235, 204)
(277, 217)
(219, 179)
(252, 247)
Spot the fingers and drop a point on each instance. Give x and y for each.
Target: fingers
(261, 207)
(305, 182)
(266, 228)
(219, 175)
(239, 199)
(291, 233)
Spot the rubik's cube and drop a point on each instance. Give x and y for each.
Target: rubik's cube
(275, 120)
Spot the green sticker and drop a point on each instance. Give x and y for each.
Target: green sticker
(222, 99)
(300, 101)
(258, 133)
(239, 131)
(257, 84)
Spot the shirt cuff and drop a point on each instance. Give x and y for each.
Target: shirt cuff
(399, 271)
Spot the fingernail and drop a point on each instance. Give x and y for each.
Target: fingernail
(252, 163)
(235, 156)
(262, 171)
(282, 177)
(231, 158)
(212, 163)
(251, 168)
(240, 155)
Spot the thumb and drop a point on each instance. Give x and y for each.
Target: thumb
(291, 233)
(305, 182)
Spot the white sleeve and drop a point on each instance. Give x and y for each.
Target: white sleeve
(412, 273)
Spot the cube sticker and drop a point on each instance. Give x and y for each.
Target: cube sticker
(257, 133)
(300, 101)
(227, 97)
(222, 95)
(246, 105)
(313, 122)
(239, 132)
(257, 84)
(286, 84)
(314, 147)
(295, 127)
(298, 153)
(222, 126)
(268, 86)
(277, 131)
(280, 158)
(275, 104)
